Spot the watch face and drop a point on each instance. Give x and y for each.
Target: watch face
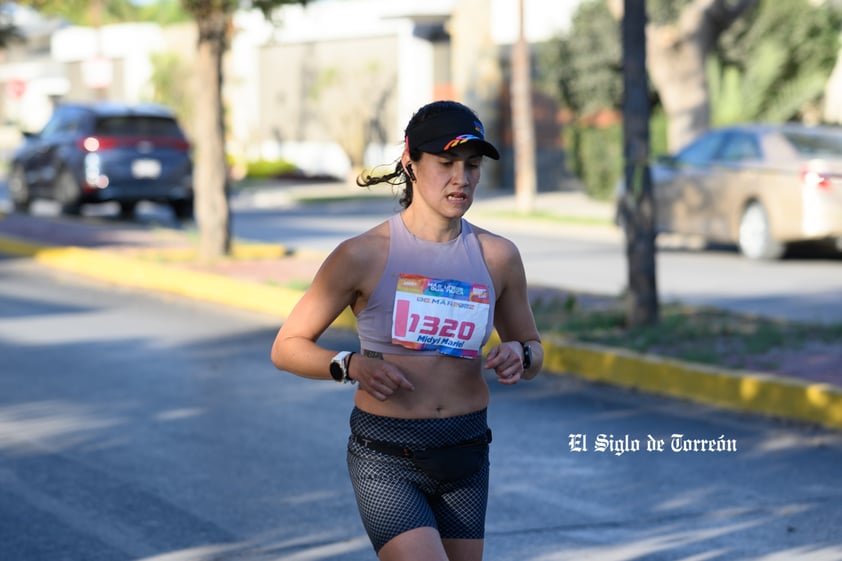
(336, 371)
(337, 366)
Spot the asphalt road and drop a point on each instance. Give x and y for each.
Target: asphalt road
(141, 427)
(806, 286)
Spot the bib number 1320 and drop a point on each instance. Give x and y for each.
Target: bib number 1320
(430, 325)
(447, 316)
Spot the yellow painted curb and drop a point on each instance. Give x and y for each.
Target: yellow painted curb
(135, 273)
(753, 392)
(239, 250)
(18, 248)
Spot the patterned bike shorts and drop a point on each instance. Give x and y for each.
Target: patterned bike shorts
(394, 496)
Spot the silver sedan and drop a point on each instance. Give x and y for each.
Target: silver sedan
(759, 186)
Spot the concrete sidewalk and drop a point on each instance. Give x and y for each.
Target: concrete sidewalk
(158, 259)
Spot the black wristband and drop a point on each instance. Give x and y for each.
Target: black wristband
(348, 368)
(527, 355)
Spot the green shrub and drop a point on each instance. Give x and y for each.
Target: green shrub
(658, 134)
(267, 169)
(596, 156)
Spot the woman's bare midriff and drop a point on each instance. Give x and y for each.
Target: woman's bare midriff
(444, 387)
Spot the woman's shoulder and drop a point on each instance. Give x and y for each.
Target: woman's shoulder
(491, 242)
(362, 247)
(355, 257)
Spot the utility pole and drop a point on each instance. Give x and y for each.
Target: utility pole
(523, 128)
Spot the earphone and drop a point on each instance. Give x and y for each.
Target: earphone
(409, 172)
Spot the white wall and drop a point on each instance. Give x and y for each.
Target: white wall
(130, 43)
(328, 20)
(543, 19)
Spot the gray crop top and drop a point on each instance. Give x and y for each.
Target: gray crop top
(432, 298)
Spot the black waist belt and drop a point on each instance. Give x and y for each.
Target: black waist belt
(392, 449)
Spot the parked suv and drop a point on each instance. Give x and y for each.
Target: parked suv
(105, 151)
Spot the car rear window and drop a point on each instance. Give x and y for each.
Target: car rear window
(812, 145)
(137, 126)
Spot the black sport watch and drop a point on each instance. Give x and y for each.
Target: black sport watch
(339, 367)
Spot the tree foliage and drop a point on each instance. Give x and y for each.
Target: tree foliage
(777, 63)
(352, 118)
(8, 32)
(584, 67)
(662, 12)
(168, 87)
(103, 12)
(772, 64)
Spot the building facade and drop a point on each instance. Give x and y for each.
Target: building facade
(328, 86)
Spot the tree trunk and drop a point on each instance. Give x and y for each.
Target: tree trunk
(677, 57)
(523, 128)
(677, 65)
(833, 94)
(637, 208)
(210, 174)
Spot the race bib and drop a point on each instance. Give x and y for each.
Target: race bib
(447, 316)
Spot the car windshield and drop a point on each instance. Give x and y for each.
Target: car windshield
(813, 145)
(702, 150)
(137, 126)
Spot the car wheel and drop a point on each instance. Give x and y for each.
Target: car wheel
(183, 210)
(19, 190)
(755, 235)
(68, 193)
(127, 210)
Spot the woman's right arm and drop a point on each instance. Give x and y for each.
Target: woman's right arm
(342, 278)
(335, 286)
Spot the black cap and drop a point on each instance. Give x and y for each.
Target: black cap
(448, 129)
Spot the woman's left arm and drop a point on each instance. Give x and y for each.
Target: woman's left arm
(513, 316)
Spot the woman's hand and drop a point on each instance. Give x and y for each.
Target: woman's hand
(506, 359)
(379, 378)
